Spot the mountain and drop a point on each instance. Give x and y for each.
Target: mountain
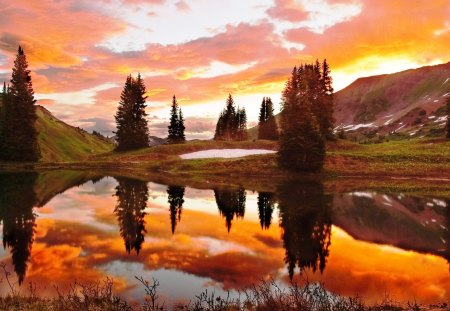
(409, 102)
(60, 142)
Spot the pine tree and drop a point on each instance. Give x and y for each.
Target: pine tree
(241, 121)
(181, 127)
(176, 126)
(448, 118)
(132, 127)
(325, 116)
(271, 122)
(302, 145)
(267, 126)
(232, 124)
(220, 127)
(174, 122)
(20, 137)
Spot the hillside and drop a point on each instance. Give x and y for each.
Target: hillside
(60, 142)
(407, 102)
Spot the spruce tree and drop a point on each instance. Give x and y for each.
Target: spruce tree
(174, 122)
(448, 118)
(271, 122)
(267, 126)
(302, 145)
(181, 127)
(241, 121)
(227, 124)
(176, 126)
(220, 127)
(20, 137)
(132, 127)
(262, 120)
(325, 116)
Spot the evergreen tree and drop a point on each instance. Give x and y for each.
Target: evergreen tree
(176, 126)
(174, 122)
(176, 200)
(19, 134)
(267, 125)
(325, 114)
(132, 196)
(241, 124)
(132, 127)
(227, 124)
(302, 145)
(220, 127)
(448, 118)
(181, 127)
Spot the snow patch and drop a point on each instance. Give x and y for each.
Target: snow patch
(224, 153)
(357, 126)
(387, 122)
(435, 101)
(362, 194)
(441, 119)
(446, 80)
(431, 117)
(400, 127)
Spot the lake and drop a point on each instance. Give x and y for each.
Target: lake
(62, 226)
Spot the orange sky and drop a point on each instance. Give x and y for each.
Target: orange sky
(81, 51)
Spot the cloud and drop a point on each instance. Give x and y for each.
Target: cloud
(182, 6)
(246, 48)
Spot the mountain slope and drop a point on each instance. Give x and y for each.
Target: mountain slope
(60, 142)
(401, 102)
(411, 102)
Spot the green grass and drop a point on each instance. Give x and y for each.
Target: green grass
(60, 142)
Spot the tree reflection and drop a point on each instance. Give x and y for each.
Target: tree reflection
(17, 199)
(132, 196)
(266, 205)
(306, 225)
(176, 200)
(231, 203)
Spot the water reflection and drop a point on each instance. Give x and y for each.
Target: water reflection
(17, 199)
(283, 232)
(132, 196)
(266, 205)
(306, 225)
(231, 204)
(176, 200)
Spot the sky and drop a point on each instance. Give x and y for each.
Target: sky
(81, 51)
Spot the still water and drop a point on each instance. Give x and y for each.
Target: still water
(62, 226)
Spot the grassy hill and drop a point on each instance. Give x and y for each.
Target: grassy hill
(60, 142)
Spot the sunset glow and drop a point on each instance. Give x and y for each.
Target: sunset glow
(80, 52)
